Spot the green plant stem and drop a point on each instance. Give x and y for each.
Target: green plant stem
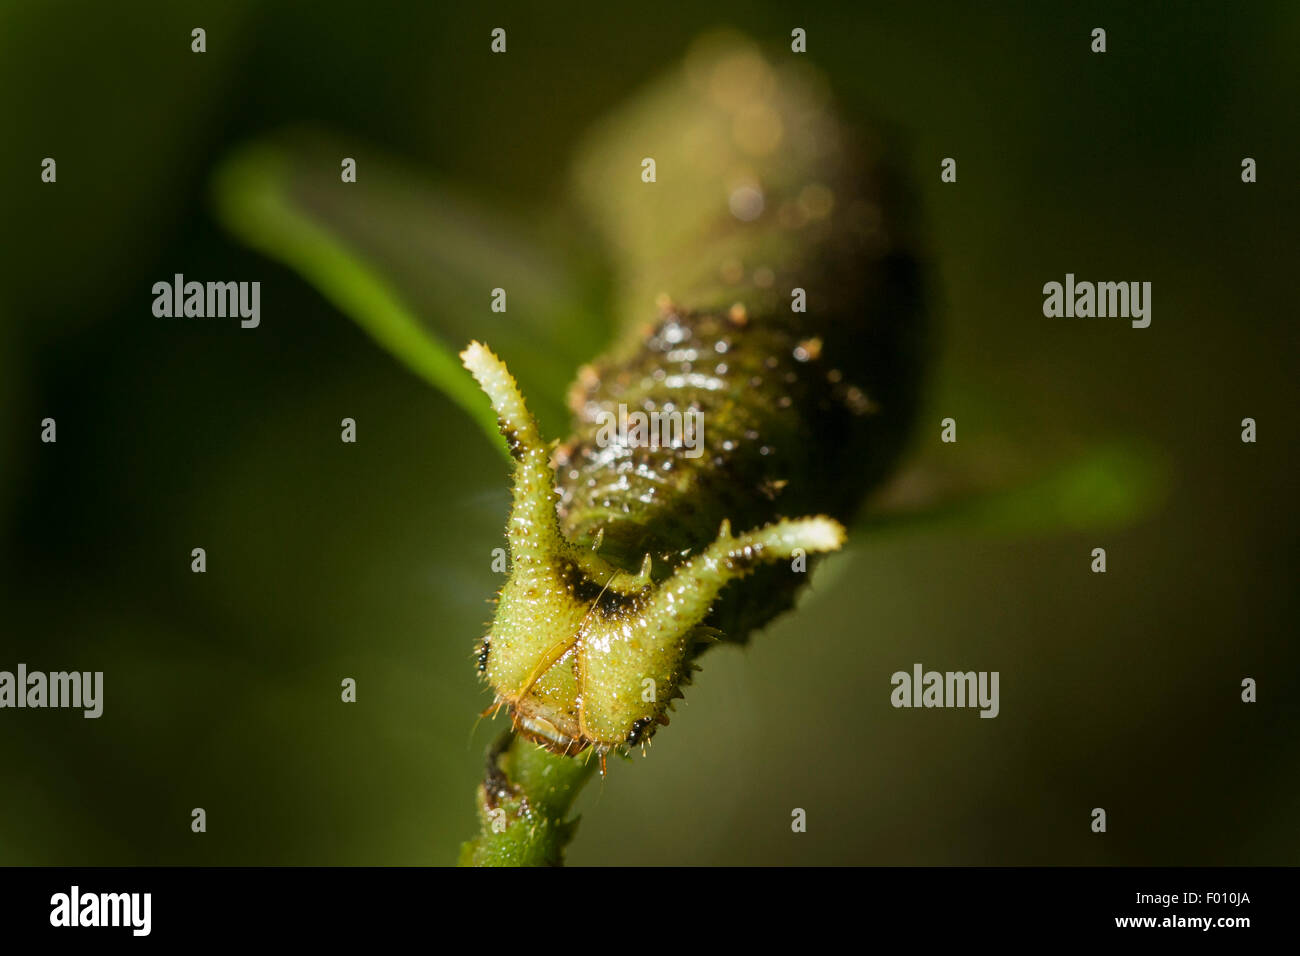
(523, 803)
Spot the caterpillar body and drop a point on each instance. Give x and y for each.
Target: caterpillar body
(768, 287)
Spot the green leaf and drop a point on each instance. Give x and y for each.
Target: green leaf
(414, 264)
(1108, 486)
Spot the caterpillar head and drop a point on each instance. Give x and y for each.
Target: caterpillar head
(586, 654)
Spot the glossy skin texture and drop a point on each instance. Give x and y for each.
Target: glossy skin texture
(617, 578)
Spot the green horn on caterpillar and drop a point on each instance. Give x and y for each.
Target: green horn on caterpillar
(584, 653)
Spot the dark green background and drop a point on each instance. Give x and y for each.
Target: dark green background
(372, 560)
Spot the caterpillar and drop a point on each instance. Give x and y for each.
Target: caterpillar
(769, 287)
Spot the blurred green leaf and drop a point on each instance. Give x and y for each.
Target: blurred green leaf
(415, 265)
(1107, 486)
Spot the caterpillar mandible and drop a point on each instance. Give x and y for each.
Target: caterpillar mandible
(769, 287)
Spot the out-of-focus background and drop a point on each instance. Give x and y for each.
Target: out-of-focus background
(372, 560)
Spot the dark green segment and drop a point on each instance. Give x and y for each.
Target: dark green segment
(761, 189)
(802, 412)
(796, 418)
